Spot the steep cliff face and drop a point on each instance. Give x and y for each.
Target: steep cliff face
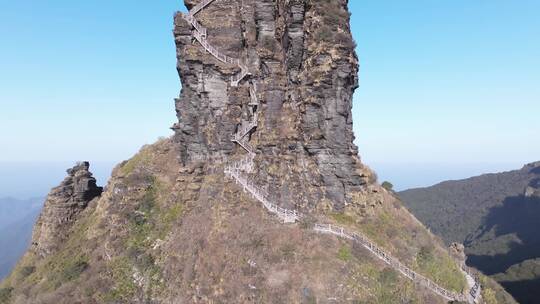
(172, 227)
(301, 57)
(62, 208)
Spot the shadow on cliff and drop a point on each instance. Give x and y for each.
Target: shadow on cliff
(535, 170)
(525, 292)
(519, 216)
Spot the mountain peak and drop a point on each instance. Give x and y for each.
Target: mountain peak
(278, 69)
(260, 196)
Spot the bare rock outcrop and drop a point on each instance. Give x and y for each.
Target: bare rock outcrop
(62, 207)
(174, 226)
(457, 250)
(301, 57)
(533, 189)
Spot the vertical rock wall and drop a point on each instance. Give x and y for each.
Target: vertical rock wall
(301, 57)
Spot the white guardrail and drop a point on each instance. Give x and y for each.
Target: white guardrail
(388, 259)
(199, 7)
(235, 171)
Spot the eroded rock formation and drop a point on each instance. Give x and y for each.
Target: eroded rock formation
(301, 57)
(62, 207)
(457, 250)
(173, 228)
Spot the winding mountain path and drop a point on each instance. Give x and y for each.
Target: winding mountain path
(239, 170)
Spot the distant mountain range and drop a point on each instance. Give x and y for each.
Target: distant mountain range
(17, 219)
(496, 217)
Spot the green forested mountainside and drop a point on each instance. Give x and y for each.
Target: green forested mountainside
(522, 279)
(17, 218)
(496, 217)
(528, 270)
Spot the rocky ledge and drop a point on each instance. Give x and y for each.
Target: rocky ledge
(533, 189)
(62, 208)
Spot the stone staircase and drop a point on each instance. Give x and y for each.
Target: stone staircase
(471, 297)
(286, 215)
(239, 171)
(199, 7)
(200, 30)
(200, 34)
(244, 71)
(245, 128)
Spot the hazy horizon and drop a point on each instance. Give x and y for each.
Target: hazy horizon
(24, 180)
(451, 87)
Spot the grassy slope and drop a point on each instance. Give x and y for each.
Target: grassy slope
(159, 235)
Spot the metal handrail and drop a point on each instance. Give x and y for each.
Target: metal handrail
(199, 7)
(396, 264)
(235, 171)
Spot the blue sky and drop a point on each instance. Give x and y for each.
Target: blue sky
(448, 89)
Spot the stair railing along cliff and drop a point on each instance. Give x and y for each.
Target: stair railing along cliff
(236, 172)
(395, 263)
(199, 7)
